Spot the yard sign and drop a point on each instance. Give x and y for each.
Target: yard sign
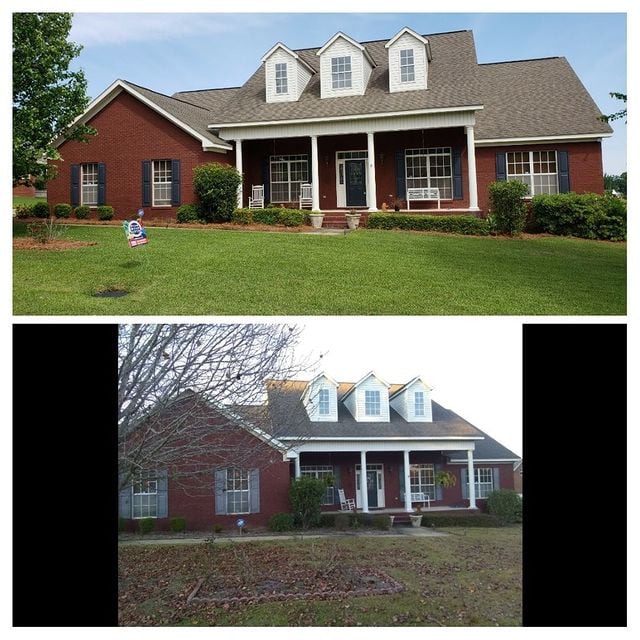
(136, 235)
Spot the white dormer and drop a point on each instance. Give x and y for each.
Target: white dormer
(413, 401)
(409, 56)
(368, 399)
(286, 74)
(320, 399)
(345, 67)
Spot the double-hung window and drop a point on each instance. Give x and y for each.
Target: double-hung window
(145, 495)
(422, 479)
(89, 195)
(407, 66)
(371, 403)
(320, 471)
(237, 490)
(287, 174)
(483, 481)
(418, 403)
(341, 72)
(323, 402)
(281, 78)
(162, 183)
(537, 169)
(430, 168)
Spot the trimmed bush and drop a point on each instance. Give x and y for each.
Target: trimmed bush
(505, 505)
(463, 520)
(341, 521)
(82, 212)
(465, 225)
(306, 495)
(217, 188)
(266, 216)
(508, 208)
(217, 528)
(146, 525)
(122, 524)
(105, 212)
(242, 216)
(177, 524)
(586, 215)
(23, 211)
(187, 213)
(292, 217)
(41, 210)
(62, 210)
(280, 522)
(381, 522)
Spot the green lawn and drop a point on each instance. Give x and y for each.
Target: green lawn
(26, 200)
(218, 272)
(472, 577)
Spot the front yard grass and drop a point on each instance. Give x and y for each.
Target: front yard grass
(472, 577)
(217, 272)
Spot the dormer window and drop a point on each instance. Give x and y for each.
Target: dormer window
(341, 72)
(372, 403)
(418, 403)
(281, 78)
(407, 66)
(324, 408)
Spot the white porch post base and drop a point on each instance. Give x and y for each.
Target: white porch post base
(315, 176)
(364, 497)
(407, 483)
(239, 168)
(471, 161)
(472, 479)
(371, 173)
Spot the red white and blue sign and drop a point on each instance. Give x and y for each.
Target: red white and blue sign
(136, 235)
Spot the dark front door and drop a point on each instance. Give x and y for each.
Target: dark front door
(356, 192)
(372, 488)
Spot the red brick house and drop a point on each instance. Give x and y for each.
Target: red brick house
(323, 428)
(363, 123)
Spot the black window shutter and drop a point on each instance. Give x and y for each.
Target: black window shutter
(175, 182)
(163, 494)
(501, 166)
(266, 179)
(146, 183)
(124, 503)
(400, 175)
(220, 480)
(254, 494)
(464, 483)
(102, 184)
(457, 174)
(402, 488)
(563, 172)
(75, 185)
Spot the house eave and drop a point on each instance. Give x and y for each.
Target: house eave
(485, 460)
(376, 439)
(582, 137)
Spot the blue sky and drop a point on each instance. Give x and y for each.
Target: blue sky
(170, 52)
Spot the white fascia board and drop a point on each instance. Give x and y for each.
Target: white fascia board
(293, 54)
(359, 116)
(402, 32)
(348, 39)
(585, 137)
(114, 90)
(496, 460)
(365, 377)
(256, 431)
(380, 439)
(404, 387)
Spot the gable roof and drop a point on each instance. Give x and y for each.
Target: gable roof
(191, 118)
(488, 450)
(286, 49)
(344, 36)
(411, 32)
(404, 387)
(354, 385)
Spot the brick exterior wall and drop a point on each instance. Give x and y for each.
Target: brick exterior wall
(128, 133)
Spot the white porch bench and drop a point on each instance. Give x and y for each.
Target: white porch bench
(422, 193)
(421, 497)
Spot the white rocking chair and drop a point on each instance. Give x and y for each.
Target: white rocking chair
(346, 504)
(306, 196)
(256, 200)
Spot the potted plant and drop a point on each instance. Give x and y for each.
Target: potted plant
(396, 203)
(316, 219)
(445, 479)
(353, 219)
(416, 518)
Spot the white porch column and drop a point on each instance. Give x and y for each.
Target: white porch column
(472, 483)
(296, 462)
(407, 483)
(315, 179)
(239, 168)
(364, 497)
(471, 161)
(371, 173)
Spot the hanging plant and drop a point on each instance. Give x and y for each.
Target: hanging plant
(446, 479)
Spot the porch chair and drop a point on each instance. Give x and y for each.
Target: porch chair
(256, 199)
(306, 196)
(346, 504)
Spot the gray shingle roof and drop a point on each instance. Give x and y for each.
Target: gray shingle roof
(212, 99)
(532, 98)
(487, 449)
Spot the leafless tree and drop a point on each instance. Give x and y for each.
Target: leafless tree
(179, 386)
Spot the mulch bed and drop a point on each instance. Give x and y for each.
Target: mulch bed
(305, 583)
(51, 245)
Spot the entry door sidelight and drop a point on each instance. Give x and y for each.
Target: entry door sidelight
(356, 194)
(372, 488)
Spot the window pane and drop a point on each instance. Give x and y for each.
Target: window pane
(161, 183)
(372, 403)
(341, 72)
(89, 195)
(281, 78)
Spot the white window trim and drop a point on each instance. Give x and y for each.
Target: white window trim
(284, 79)
(302, 157)
(531, 174)
(82, 174)
(416, 404)
(407, 68)
(324, 405)
(247, 491)
(426, 487)
(143, 493)
(483, 489)
(373, 394)
(153, 183)
(428, 152)
(342, 71)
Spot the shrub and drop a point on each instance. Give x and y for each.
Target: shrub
(462, 520)
(40, 183)
(327, 520)
(508, 208)
(23, 210)
(242, 216)
(381, 522)
(187, 213)
(587, 215)
(292, 217)
(41, 210)
(306, 495)
(46, 231)
(465, 225)
(270, 215)
(62, 210)
(217, 188)
(177, 524)
(505, 505)
(341, 521)
(146, 525)
(105, 212)
(122, 524)
(217, 528)
(82, 212)
(280, 522)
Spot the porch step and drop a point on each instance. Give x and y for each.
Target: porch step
(338, 220)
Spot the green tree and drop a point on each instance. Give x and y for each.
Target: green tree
(217, 188)
(619, 183)
(47, 96)
(618, 114)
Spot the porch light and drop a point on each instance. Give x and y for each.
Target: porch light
(381, 157)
